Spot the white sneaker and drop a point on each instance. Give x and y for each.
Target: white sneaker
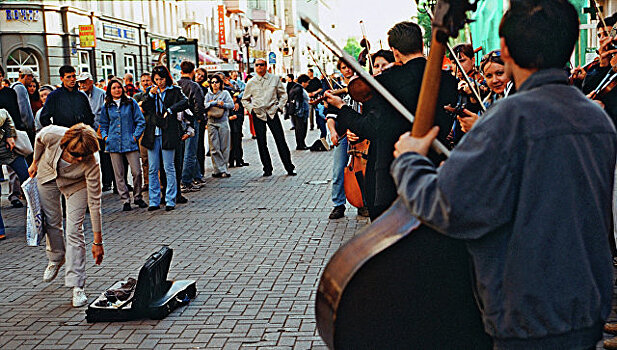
(79, 297)
(52, 270)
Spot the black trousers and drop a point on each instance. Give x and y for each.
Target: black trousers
(106, 168)
(279, 138)
(300, 130)
(201, 149)
(236, 154)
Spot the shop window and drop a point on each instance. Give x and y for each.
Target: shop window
(108, 65)
(83, 63)
(21, 58)
(129, 64)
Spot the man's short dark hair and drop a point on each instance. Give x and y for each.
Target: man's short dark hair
(290, 76)
(385, 54)
(187, 67)
(610, 21)
(406, 37)
(465, 49)
(310, 70)
(65, 70)
(144, 74)
(303, 78)
(526, 29)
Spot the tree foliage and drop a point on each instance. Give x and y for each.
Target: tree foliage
(353, 47)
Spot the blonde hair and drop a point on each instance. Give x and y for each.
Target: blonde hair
(80, 138)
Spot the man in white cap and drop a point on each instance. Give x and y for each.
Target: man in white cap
(264, 96)
(95, 95)
(25, 123)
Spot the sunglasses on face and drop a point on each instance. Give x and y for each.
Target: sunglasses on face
(215, 82)
(260, 64)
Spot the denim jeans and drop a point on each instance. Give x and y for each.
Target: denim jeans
(190, 170)
(338, 173)
(20, 167)
(154, 160)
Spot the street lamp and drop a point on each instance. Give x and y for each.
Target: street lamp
(287, 46)
(247, 36)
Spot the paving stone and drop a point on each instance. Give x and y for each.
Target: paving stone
(256, 247)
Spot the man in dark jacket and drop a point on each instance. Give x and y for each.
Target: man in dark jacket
(537, 238)
(381, 124)
(191, 176)
(297, 108)
(67, 106)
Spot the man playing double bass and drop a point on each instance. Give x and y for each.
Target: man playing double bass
(529, 189)
(381, 124)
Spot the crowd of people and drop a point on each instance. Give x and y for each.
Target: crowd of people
(528, 186)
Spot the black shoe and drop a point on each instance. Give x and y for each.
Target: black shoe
(169, 208)
(127, 207)
(224, 175)
(292, 128)
(115, 191)
(153, 208)
(337, 213)
(106, 188)
(232, 165)
(254, 137)
(267, 173)
(217, 175)
(140, 203)
(16, 203)
(291, 173)
(181, 200)
(363, 212)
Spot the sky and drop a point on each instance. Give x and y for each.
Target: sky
(378, 17)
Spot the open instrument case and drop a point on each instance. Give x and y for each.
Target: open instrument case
(152, 297)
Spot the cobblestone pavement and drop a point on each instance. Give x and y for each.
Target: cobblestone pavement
(255, 245)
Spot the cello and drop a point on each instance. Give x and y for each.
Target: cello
(398, 283)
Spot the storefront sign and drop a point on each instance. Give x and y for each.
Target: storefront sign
(113, 31)
(221, 9)
(157, 45)
(87, 38)
(23, 15)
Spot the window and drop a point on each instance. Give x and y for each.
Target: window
(83, 64)
(108, 65)
(21, 58)
(129, 64)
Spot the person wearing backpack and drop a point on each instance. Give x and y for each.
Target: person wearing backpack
(122, 124)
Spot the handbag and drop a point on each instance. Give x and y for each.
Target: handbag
(22, 144)
(216, 112)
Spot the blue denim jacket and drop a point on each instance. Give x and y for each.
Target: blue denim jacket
(529, 189)
(121, 127)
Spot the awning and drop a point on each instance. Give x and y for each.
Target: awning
(204, 58)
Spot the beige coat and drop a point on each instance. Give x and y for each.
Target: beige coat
(264, 96)
(47, 153)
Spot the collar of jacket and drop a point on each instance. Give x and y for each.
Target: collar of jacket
(545, 77)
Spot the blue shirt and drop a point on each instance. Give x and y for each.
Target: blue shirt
(159, 100)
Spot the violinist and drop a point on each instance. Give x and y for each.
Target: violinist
(607, 60)
(529, 191)
(466, 100)
(499, 83)
(340, 151)
(314, 89)
(381, 124)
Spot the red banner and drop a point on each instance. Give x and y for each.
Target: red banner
(221, 25)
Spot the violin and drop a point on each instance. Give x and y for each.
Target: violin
(606, 85)
(336, 92)
(576, 75)
(360, 90)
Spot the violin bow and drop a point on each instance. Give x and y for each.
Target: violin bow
(330, 44)
(368, 47)
(599, 13)
(323, 74)
(459, 66)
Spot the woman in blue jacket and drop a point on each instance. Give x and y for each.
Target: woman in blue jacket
(122, 124)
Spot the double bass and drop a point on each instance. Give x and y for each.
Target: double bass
(398, 283)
